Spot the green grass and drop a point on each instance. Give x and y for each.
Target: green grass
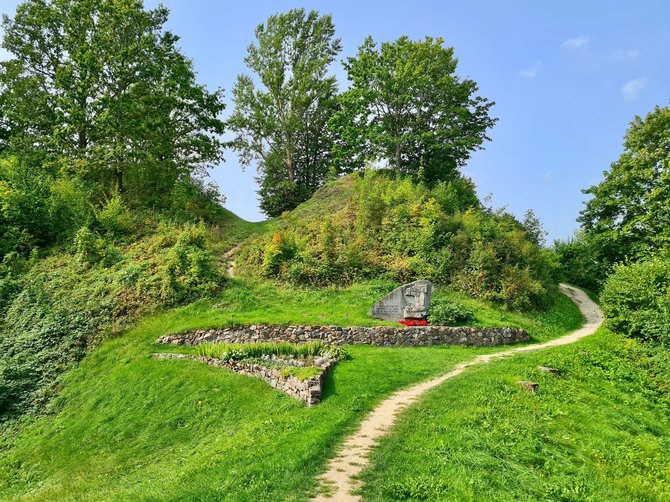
(599, 432)
(129, 427)
(237, 351)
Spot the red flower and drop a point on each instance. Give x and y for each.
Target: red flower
(413, 322)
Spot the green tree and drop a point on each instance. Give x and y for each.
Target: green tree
(280, 119)
(408, 108)
(628, 216)
(100, 88)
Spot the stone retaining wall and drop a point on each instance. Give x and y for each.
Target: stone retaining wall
(309, 390)
(384, 336)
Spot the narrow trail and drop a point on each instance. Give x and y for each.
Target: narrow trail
(230, 264)
(339, 480)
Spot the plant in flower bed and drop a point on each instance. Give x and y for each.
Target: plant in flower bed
(239, 351)
(413, 322)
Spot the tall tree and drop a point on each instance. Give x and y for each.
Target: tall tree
(407, 107)
(628, 216)
(99, 87)
(281, 116)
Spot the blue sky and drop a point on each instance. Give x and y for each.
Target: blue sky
(567, 78)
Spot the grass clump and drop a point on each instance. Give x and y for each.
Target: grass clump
(302, 373)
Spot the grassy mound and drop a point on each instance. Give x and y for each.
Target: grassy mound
(374, 224)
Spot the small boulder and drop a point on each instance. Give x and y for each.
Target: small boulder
(529, 386)
(551, 371)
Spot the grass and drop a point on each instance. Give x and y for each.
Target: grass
(237, 351)
(129, 427)
(598, 432)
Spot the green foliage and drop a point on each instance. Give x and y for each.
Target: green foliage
(387, 225)
(114, 217)
(444, 312)
(627, 216)
(636, 300)
(238, 351)
(408, 108)
(282, 125)
(56, 310)
(301, 372)
(37, 209)
(108, 97)
(191, 271)
(581, 262)
(598, 432)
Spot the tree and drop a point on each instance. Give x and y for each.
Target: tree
(407, 107)
(628, 216)
(281, 124)
(98, 87)
(533, 226)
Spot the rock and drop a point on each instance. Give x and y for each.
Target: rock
(551, 371)
(529, 386)
(409, 301)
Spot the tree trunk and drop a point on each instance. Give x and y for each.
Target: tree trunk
(397, 157)
(119, 180)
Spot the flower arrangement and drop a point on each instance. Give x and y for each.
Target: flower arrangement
(413, 322)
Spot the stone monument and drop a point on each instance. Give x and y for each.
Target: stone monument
(409, 301)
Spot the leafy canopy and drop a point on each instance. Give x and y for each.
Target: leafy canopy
(629, 212)
(280, 116)
(100, 89)
(408, 108)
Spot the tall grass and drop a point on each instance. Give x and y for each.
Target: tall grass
(237, 351)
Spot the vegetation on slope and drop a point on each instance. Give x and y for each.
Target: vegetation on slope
(57, 307)
(377, 224)
(598, 432)
(126, 426)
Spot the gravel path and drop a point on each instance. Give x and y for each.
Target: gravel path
(339, 482)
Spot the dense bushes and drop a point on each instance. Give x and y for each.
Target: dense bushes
(449, 313)
(389, 226)
(55, 311)
(636, 300)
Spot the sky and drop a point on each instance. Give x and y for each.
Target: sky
(567, 78)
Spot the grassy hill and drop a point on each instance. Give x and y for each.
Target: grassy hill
(95, 418)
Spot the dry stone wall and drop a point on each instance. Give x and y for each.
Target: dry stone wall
(309, 390)
(383, 336)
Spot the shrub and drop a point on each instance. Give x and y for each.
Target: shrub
(191, 271)
(636, 300)
(448, 313)
(114, 218)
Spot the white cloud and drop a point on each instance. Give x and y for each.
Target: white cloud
(532, 71)
(576, 43)
(631, 89)
(5, 55)
(622, 55)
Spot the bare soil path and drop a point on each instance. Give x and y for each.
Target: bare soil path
(339, 480)
(230, 262)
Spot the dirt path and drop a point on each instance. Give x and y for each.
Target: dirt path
(230, 264)
(339, 480)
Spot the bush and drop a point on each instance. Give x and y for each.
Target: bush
(114, 218)
(191, 271)
(449, 313)
(636, 300)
